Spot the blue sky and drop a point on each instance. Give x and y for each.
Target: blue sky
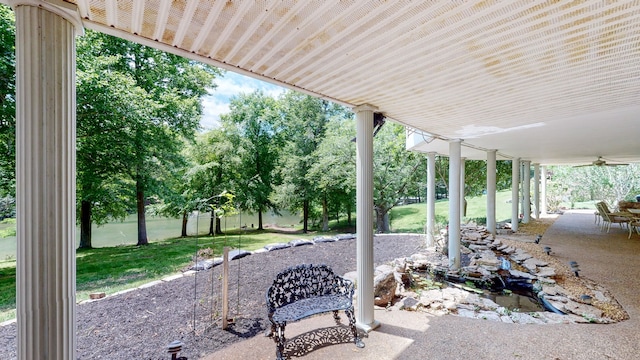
(228, 86)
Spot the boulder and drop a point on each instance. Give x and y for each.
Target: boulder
(384, 286)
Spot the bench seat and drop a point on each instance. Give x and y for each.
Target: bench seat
(311, 306)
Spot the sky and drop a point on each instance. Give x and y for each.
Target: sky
(231, 84)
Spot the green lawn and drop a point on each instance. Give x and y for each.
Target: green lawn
(111, 269)
(412, 218)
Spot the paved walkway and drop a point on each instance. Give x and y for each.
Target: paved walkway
(609, 259)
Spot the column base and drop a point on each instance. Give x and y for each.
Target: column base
(367, 328)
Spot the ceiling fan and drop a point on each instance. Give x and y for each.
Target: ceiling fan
(601, 162)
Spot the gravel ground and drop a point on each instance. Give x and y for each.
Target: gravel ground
(141, 323)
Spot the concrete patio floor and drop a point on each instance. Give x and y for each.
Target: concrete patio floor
(609, 259)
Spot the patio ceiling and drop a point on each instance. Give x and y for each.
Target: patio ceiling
(554, 82)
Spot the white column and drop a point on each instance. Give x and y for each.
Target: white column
(431, 199)
(526, 191)
(462, 182)
(536, 190)
(454, 203)
(543, 190)
(491, 191)
(364, 216)
(515, 198)
(45, 181)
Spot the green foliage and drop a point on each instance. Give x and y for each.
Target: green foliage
(7, 105)
(612, 184)
(136, 105)
(302, 127)
(333, 174)
(251, 127)
(214, 170)
(394, 169)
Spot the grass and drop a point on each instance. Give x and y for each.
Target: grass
(112, 269)
(115, 268)
(412, 218)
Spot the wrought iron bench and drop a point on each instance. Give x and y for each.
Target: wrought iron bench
(304, 290)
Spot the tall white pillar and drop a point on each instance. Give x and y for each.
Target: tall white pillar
(543, 190)
(431, 199)
(454, 203)
(45, 180)
(526, 191)
(462, 183)
(491, 191)
(536, 190)
(364, 216)
(515, 198)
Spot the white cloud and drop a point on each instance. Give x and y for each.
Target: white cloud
(230, 85)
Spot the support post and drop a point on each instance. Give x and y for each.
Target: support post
(526, 191)
(536, 190)
(454, 203)
(364, 217)
(463, 212)
(491, 191)
(45, 180)
(543, 190)
(431, 199)
(515, 195)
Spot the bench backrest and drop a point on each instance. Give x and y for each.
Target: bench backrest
(306, 281)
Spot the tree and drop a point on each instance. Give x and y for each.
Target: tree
(7, 110)
(251, 124)
(611, 184)
(394, 169)
(334, 171)
(174, 86)
(303, 122)
(215, 170)
(107, 102)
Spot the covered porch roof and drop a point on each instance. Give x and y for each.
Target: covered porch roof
(553, 82)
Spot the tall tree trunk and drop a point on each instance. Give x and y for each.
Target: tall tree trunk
(85, 225)
(382, 220)
(185, 220)
(142, 224)
(211, 223)
(325, 214)
(305, 216)
(259, 220)
(218, 225)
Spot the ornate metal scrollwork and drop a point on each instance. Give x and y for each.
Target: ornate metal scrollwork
(306, 290)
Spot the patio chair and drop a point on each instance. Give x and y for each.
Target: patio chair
(609, 217)
(634, 224)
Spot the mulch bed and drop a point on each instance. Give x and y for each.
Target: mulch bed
(141, 323)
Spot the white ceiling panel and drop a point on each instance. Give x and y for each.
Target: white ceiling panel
(546, 81)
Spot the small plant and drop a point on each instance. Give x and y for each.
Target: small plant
(590, 318)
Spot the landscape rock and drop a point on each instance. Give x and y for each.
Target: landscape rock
(384, 285)
(276, 246)
(300, 242)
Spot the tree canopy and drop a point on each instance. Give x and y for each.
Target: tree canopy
(136, 106)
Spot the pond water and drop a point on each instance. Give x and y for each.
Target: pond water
(160, 228)
(515, 300)
(515, 296)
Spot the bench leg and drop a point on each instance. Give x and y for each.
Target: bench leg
(336, 317)
(280, 340)
(352, 324)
